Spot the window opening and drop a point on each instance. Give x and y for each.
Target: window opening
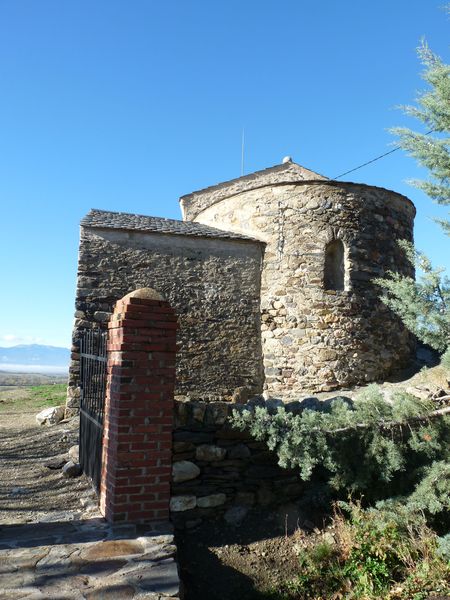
(334, 273)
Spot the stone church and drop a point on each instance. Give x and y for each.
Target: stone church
(271, 277)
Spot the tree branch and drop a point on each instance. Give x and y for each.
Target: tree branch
(419, 420)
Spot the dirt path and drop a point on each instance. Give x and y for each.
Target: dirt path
(29, 490)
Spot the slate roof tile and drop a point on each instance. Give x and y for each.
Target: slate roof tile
(103, 219)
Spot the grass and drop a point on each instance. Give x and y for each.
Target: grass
(31, 398)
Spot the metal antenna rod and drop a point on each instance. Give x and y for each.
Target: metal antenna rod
(242, 151)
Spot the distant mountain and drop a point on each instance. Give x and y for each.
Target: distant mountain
(35, 354)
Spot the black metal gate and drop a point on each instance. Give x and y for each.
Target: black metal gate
(92, 402)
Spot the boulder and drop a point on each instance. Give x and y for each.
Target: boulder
(51, 416)
(71, 469)
(184, 470)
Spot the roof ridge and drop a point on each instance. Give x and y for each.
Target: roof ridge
(279, 167)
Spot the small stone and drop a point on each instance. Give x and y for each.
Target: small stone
(235, 515)
(239, 451)
(182, 503)
(74, 453)
(50, 416)
(184, 470)
(210, 453)
(55, 463)
(17, 491)
(198, 412)
(71, 469)
(211, 501)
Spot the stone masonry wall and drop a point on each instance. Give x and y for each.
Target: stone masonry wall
(218, 471)
(213, 286)
(316, 339)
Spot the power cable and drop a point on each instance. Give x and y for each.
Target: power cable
(373, 160)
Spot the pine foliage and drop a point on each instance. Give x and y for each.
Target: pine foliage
(433, 109)
(372, 447)
(423, 305)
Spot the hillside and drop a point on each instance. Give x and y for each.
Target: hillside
(35, 354)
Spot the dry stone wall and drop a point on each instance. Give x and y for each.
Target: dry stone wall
(313, 338)
(213, 285)
(221, 472)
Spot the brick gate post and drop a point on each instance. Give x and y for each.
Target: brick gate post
(138, 423)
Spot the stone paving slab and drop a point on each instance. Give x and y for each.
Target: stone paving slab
(88, 560)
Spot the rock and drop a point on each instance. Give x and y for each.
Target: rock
(74, 453)
(235, 515)
(217, 413)
(162, 578)
(50, 416)
(273, 404)
(211, 501)
(101, 316)
(17, 491)
(55, 463)
(198, 412)
(421, 392)
(326, 404)
(184, 470)
(240, 395)
(182, 503)
(182, 446)
(239, 451)
(210, 453)
(295, 407)
(310, 403)
(71, 469)
(258, 400)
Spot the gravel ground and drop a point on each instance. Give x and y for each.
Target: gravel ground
(29, 490)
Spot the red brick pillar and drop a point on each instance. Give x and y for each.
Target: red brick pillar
(137, 437)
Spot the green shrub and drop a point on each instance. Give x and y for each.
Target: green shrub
(369, 554)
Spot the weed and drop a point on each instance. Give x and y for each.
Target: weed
(370, 554)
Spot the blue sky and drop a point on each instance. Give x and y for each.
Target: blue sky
(128, 105)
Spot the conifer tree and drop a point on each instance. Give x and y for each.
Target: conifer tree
(431, 151)
(424, 305)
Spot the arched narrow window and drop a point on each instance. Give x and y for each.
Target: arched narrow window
(334, 272)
